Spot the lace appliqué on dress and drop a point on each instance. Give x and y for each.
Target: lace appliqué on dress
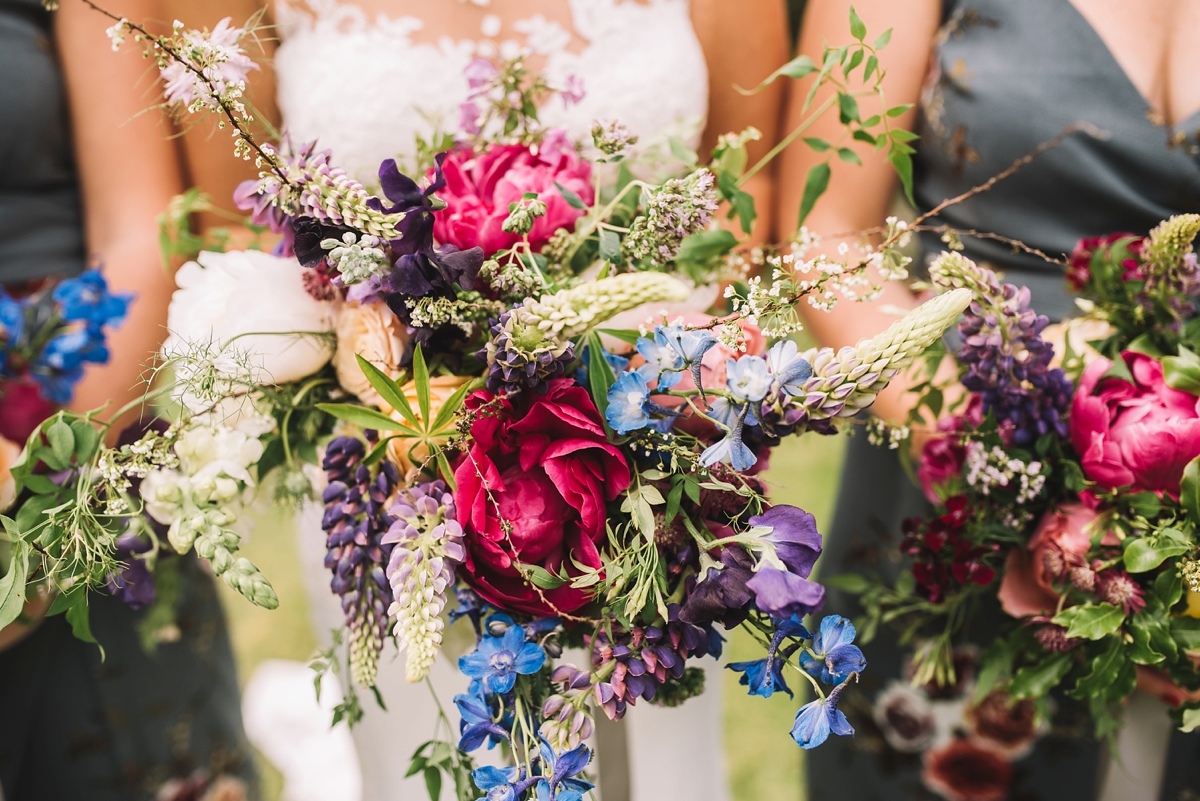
(365, 88)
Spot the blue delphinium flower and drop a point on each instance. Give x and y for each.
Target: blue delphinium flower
(818, 718)
(86, 298)
(788, 369)
(12, 318)
(835, 656)
(691, 347)
(627, 399)
(730, 448)
(498, 660)
(663, 362)
(748, 378)
(477, 725)
(617, 363)
(500, 784)
(762, 676)
(558, 782)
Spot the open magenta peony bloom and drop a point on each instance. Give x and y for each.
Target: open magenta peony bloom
(1138, 435)
(480, 187)
(543, 464)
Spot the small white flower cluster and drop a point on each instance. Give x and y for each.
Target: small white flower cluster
(988, 469)
(1189, 571)
(463, 312)
(512, 278)
(522, 214)
(199, 499)
(357, 260)
(880, 433)
(116, 466)
(117, 33)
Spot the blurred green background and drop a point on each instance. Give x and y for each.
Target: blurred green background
(763, 761)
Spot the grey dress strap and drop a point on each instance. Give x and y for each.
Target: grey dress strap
(41, 231)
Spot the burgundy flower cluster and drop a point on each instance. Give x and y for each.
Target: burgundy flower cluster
(1079, 271)
(944, 558)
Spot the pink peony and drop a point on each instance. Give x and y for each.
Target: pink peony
(1061, 541)
(543, 464)
(480, 187)
(1138, 435)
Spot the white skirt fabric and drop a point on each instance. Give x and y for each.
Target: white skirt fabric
(655, 753)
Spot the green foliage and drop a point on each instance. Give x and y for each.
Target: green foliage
(1090, 621)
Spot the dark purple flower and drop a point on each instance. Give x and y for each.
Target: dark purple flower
(794, 535)
(416, 204)
(133, 584)
(723, 594)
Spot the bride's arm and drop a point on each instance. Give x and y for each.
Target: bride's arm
(744, 42)
(858, 197)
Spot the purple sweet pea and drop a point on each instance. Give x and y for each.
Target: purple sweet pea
(783, 594)
(574, 92)
(479, 72)
(723, 594)
(133, 584)
(794, 535)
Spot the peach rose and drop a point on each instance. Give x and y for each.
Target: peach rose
(440, 390)
(9, 451)
(374, 332)
(1028, 585)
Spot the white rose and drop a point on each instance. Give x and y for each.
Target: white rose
(227, 295)
(210, 451)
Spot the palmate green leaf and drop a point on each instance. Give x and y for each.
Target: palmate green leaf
(421, 379)
(1090, 621)
(1037, 680)
(453, 404)
(365, 417)
(814, 186)
(12, 585)
(388, 389)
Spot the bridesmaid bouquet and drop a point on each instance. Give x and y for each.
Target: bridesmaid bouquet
(1066, 487)
(522, 412)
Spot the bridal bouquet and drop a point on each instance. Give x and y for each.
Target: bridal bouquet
(1066, 487)
(522, 412)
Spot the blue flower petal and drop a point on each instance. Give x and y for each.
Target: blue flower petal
(530, 659)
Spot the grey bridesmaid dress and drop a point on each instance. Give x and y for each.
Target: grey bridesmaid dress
(1007, 76)
(74, 727)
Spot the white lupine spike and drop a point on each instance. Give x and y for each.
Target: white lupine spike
(571, 312)
(837, 388)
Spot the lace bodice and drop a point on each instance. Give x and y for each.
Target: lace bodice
(366, 88)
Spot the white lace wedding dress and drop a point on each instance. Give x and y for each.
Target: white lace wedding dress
(366, 87)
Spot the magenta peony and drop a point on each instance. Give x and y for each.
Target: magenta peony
(480, 187)
(543, 464)
(1138, 435)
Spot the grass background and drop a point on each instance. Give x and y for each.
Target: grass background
(763, 761)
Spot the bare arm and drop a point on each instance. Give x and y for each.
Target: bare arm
(858, 197)
(128, 171)
(743, 43)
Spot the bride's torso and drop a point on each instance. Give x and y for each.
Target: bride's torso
(367, 84)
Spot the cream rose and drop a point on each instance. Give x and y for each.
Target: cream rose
(374, 332)
(253, 302)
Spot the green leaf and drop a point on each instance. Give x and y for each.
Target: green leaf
(446, 470)
(1146, 553)
(902, 163)
(31, 513)
(1112, 675)
(600, 373)
(452, 405)
(388, 389)
(1169, 588)
(896, 111)
(77, 616)
(901, 135)
(86, 440)
(433, 783)
(798, 67)
(855, 59)
(814, 186)
(1189, 495)
(573, 200)
(848, 582)
(367, 418)
(818, 144)
(62, 441)
(858, 28)
(881, 41)
(39, 484)
(706, 245)
(863, 136)
(610, 246)
(12, 585)
(421, 379)
(1037, 680)
(626, 335)
(1186, 632)
(377, 452)
(44, 454)
(1090, 621)
(1182, 372)
(681, 151)
(541, 577)
(849, 156)
(847, 108)
(674, 497)
(872, 65)
(1191, 719)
